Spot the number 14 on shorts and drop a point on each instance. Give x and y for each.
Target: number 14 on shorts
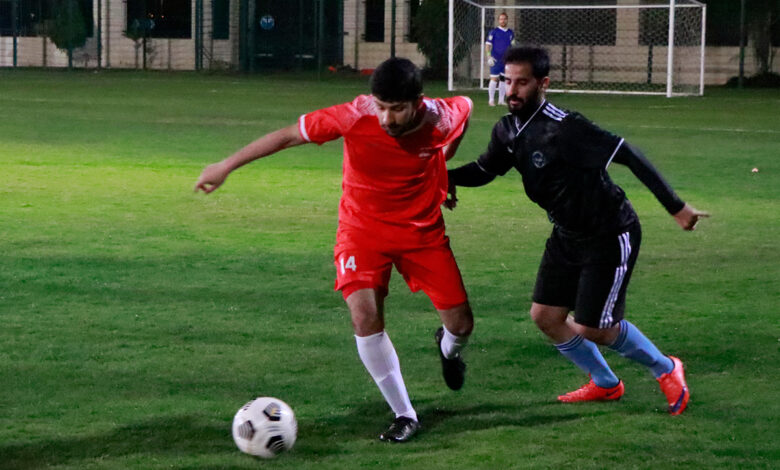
(348, 264)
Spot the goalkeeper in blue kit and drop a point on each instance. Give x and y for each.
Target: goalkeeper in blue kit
(498, 41)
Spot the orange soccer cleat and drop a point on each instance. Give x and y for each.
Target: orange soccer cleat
(675, 388)
(592, 392)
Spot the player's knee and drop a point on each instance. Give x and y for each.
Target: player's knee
(459, 320)
(466, 325)
(546, 320)
(537, 315)
(366, 325)
(366, 315)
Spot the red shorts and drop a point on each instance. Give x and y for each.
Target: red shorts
(431, 269)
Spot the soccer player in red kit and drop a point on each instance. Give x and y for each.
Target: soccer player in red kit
(396, 143)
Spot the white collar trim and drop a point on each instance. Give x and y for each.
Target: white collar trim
(517, 123)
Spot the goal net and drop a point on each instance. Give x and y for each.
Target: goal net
(601, 46)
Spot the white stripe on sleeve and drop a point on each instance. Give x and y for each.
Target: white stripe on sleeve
(302, 128)
(614, 153)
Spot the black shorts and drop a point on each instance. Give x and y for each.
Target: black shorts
(589, 276)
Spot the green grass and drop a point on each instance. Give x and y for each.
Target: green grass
(138, 316)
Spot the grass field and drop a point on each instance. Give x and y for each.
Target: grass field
(138, 316)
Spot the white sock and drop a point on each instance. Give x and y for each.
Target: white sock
(501, 91)
(379, 356)
(451, 345)
(492, 90)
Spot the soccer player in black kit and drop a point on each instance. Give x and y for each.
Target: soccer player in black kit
(588, 259)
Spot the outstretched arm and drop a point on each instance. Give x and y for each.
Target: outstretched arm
(685, 215)
(215, 174)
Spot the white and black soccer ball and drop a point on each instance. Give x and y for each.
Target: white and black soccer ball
(265, 427)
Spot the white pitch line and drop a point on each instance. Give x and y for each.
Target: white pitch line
(714, 129)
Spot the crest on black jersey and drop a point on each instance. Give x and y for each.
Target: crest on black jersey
(538, 159)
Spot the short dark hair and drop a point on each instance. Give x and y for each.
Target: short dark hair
(536, 56)
(396, 79)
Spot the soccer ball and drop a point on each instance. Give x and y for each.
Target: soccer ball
(265, 427)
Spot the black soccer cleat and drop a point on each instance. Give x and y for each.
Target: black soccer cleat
(400, 430)
(454, 370)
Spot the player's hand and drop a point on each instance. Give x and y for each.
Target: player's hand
(491, 61)
(688, 217)
(451, 202)
(212, 177)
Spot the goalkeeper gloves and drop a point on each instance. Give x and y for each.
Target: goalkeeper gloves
(491, 61)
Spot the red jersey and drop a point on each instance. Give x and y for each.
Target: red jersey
(392, 187)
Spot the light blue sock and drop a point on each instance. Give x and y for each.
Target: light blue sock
(587, 356)
(631, 343)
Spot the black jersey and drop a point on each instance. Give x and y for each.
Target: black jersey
(563, 159)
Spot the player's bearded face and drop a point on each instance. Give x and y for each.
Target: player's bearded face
(397, 117)
(524, 92)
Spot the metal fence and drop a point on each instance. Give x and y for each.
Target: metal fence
(179, 34)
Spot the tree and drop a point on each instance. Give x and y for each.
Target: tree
(431, 31)
(763, 22)
(68, 29)
(139, 31)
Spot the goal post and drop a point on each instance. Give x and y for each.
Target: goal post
(653, 47)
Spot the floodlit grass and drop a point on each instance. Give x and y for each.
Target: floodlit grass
(138, 316)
